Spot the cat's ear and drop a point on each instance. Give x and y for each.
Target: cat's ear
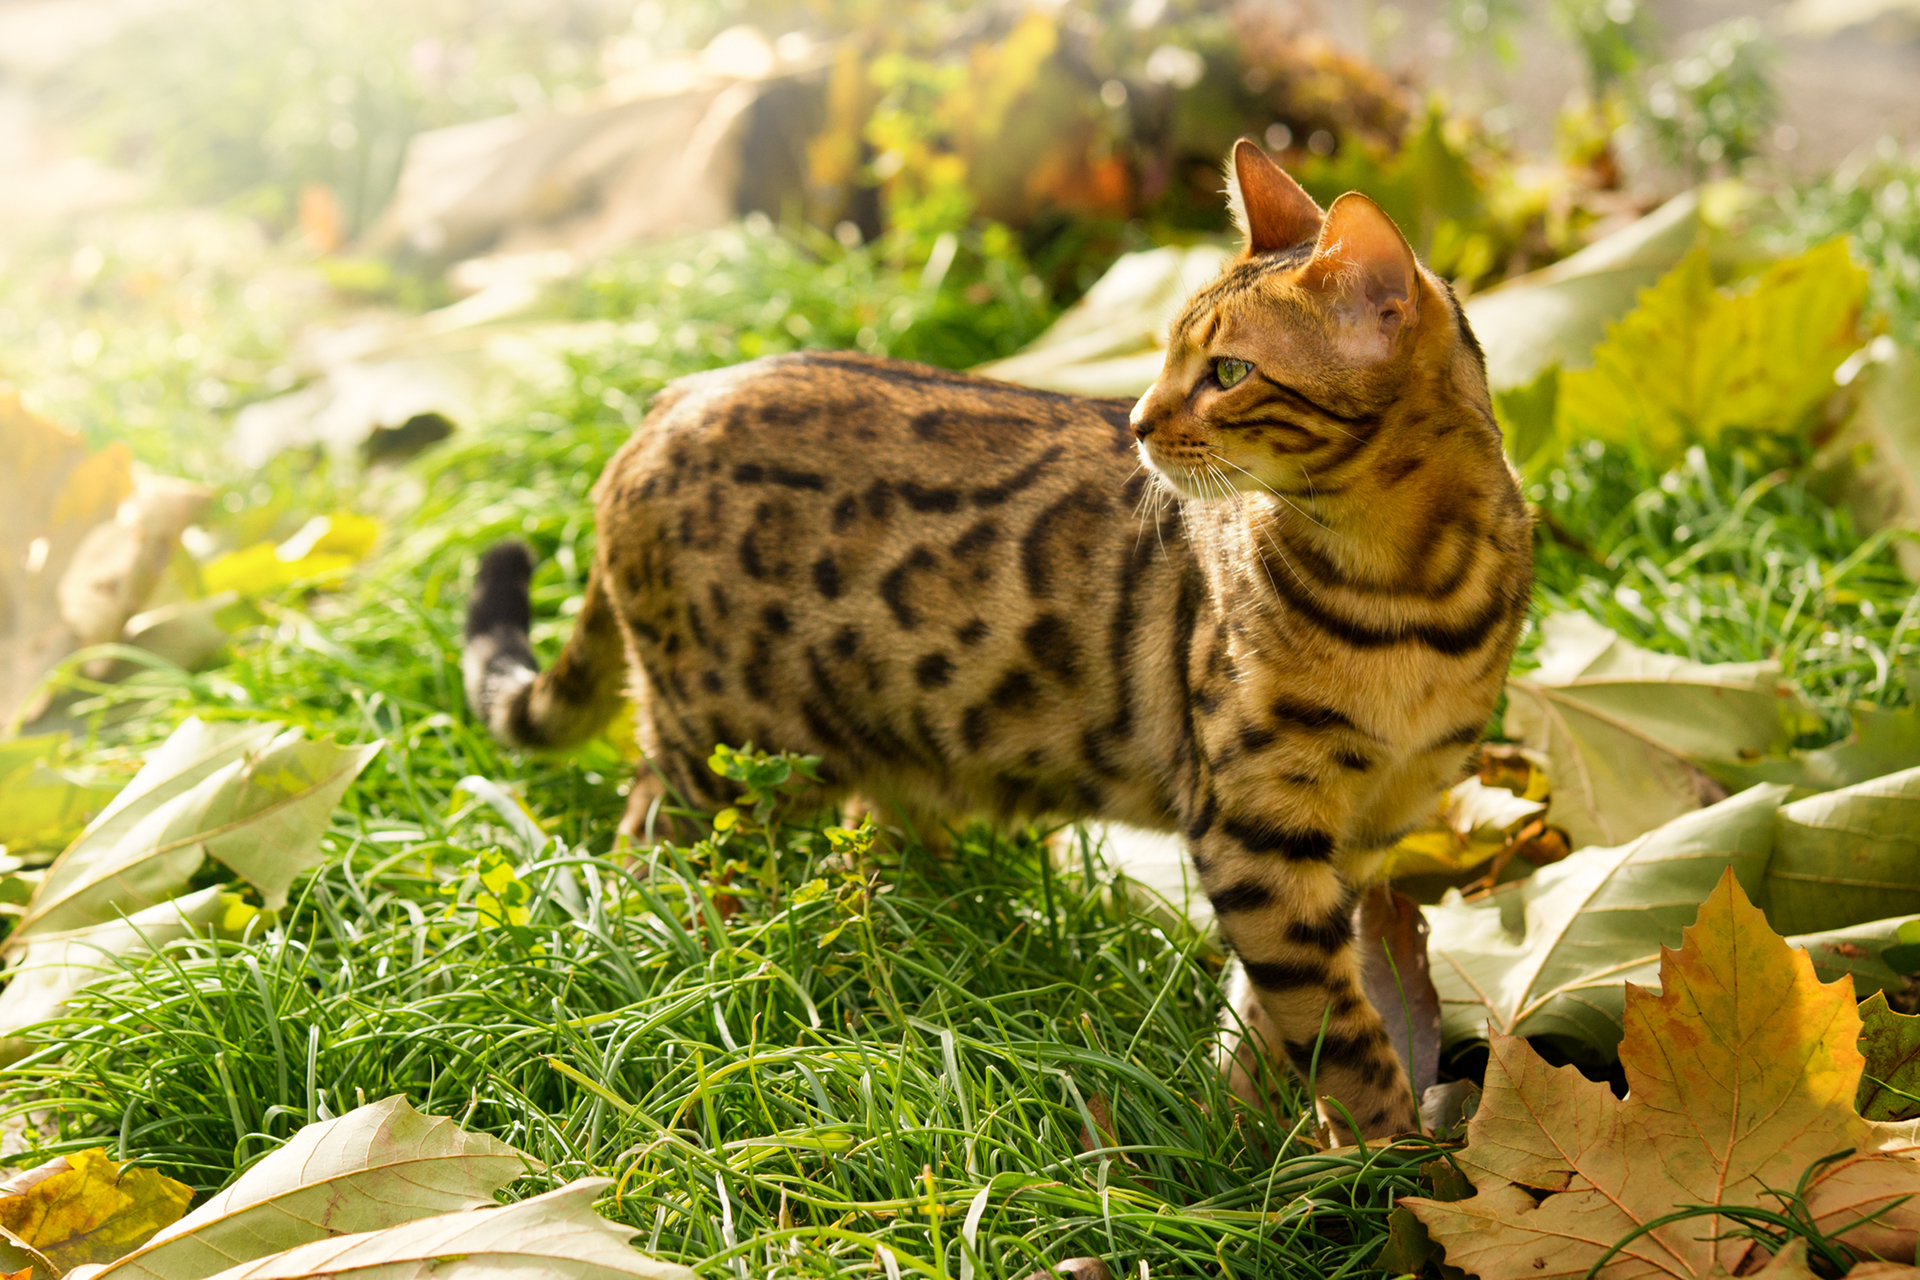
(1268, 206)
(1365, 268)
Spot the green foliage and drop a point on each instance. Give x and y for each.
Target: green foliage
(1431, 190)
(751, 291)
(974, 1038)
(1712, 562)
(1692, 364)
(1874, 201)
(1712, 110)
(1613, 35)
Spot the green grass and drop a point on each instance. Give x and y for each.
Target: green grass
(1720, 560)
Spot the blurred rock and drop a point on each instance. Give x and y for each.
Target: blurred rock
(656, 152)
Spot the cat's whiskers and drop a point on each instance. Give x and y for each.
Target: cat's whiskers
(1297, 508)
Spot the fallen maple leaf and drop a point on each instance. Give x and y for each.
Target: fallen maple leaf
(1741, 1077)
(86, 1207)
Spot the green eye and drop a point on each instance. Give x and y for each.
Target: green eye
(1228, 372)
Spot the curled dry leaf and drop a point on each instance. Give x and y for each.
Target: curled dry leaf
(374, 1168)
(1741, 1078)
(1392, 936)
(1472, 824)
(82, 542)
(257, 803)
(557, 1234)
(86, 1208)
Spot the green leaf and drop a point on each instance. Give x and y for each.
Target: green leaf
(1692, 361)
(1846, 856)
(1526, 414)
(1633, 738)
(1559, 314)
(378, 1166)
(1872, 464)
(42, 807)
(1903, 956)
(1890, 1089)
(262, 812)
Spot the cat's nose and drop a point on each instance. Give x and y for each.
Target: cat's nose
(1142, 425)
(1141, 420)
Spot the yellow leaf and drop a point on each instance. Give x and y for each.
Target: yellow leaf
(1741, 1078)
(1471, 823)
(326, 546)
(87, 1208)
(1692, 361)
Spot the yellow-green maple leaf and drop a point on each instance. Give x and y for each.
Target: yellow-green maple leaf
(86, 1207)
(1741, 1076)
(1693, 361)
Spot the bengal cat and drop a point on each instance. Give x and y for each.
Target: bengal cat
(967, 597)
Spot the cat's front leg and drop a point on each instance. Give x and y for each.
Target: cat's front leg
(1286, 910)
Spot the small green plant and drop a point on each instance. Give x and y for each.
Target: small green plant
(1714, 109)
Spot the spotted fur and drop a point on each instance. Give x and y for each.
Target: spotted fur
(1272, 616)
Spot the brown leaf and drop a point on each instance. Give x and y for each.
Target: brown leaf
(1392, 934)
(86, 1207)
(82, 542)
(1741, 1075)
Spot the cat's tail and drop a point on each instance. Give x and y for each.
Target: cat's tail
(520, 704)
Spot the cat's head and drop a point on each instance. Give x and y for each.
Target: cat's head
(1284, 367)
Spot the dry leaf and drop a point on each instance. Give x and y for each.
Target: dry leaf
(376, 1167)
(261, 810)
(557, 1235)
(1392, 936)
(82, 542)
(1472, 823)
(1741, 1075)
(86, 1208)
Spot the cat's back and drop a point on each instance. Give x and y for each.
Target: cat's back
(810, 414)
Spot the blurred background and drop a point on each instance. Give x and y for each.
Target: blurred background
(204, 206)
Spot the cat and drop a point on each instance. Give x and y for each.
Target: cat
(1270, 605)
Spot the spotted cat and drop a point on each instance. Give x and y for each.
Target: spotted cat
(1269, 606)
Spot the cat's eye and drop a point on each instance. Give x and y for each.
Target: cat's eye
(1229, 371)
